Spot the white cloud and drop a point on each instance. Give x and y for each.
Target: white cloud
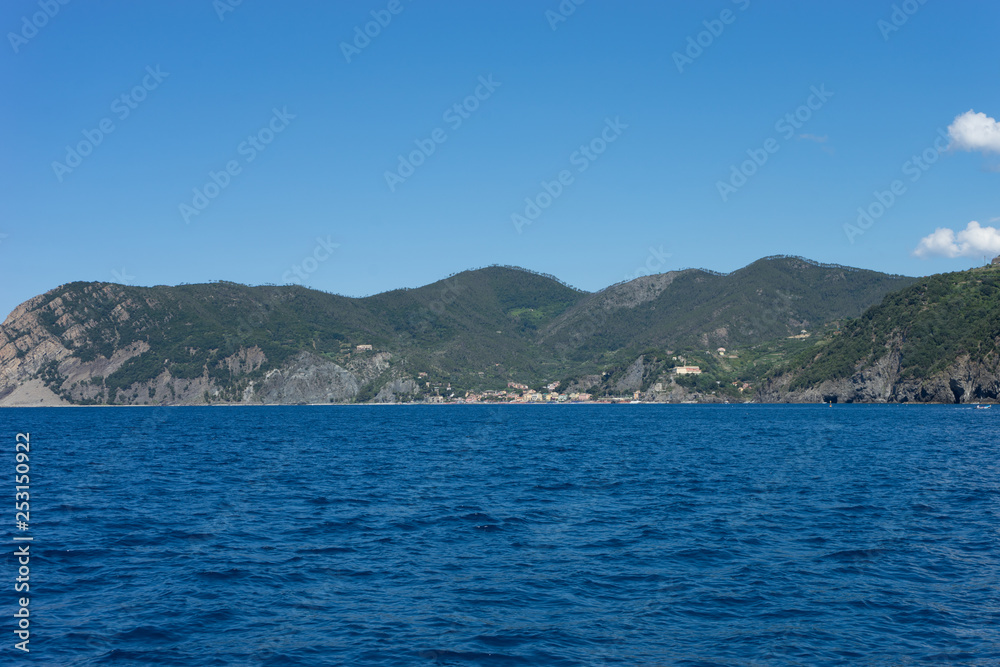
(973, 131)
(973, 241)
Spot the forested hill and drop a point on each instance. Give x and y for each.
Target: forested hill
(225, 342)
(936, 340)
(772, 298)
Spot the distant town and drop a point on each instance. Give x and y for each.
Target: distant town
(517, 392)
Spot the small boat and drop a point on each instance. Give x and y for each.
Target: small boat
(983, 407)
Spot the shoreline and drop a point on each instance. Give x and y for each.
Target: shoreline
(534, 403)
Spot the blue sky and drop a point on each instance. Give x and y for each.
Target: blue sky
(610, 118)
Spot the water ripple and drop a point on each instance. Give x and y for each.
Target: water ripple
(560, 535)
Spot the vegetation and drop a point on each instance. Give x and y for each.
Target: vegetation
(475, 330)
(771, 299)
(929, 325)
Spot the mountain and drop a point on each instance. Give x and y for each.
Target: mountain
(96, 343)
(772, 298)
(934, 341)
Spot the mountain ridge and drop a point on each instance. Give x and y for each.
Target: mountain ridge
(937, 340)
(96, 343)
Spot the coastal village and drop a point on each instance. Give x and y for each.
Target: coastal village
(556, 392)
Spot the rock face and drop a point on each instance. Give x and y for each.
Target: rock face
(89, 343)
(31, 356)
(41, 363)
(307, 379)
(963, 381)
(396, 390)
(936, 341)
(632, 379)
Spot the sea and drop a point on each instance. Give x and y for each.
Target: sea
(505, 535)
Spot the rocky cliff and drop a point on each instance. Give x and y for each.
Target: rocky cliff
(936, 341)
(963, 381)
(48, 357)
(107, 344)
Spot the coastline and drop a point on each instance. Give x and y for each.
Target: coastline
(498, 404)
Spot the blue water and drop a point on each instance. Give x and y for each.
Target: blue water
(511, 535)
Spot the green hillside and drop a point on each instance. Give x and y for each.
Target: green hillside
(475, 321)
(929, 325)
(772, 298)
(463, 325)
(477, 329)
